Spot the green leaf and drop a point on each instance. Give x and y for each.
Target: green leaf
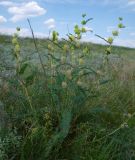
(29, 80)
(104, 81)
(23, 68)
(65, 122)
(89, 20)
(58, 138)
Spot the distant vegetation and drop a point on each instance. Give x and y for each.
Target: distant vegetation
(66, 100)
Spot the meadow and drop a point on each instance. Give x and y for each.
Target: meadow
(66, 99)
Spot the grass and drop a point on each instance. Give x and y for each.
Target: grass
(63, 103)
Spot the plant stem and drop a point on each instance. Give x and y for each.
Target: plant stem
(42, 65)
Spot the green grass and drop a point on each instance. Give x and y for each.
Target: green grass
(44, 120)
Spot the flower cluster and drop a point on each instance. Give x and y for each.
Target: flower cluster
(17, 49)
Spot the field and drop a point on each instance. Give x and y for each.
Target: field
(64, 100)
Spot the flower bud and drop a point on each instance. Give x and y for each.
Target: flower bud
(63, 60)
(77, 30)
(86, 50)
(81, 61)
(110, 40)
(120, 25)
(78, 45)
(99, 72)
(115, 33)
(83, 22)
(14, 40)
(79, 83)
(65, 48)
(79, 37)
(71, 38)
(47, 116)
(84, 15)
(18, 29)
(129, 115)
(69, 74)
(124, 125)
(120, 18)
(50, 47)
(17, 48)
(108, 50)
(72, 48)
(83, 30)
(53, 66)
(64, 84)
(81, 73)
(16, 35)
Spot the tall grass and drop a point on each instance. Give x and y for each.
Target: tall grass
(65, 102)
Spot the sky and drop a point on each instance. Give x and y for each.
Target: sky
(62, 15)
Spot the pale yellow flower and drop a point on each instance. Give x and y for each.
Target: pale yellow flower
(64, 84)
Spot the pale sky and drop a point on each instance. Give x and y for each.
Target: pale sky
(46, 15)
